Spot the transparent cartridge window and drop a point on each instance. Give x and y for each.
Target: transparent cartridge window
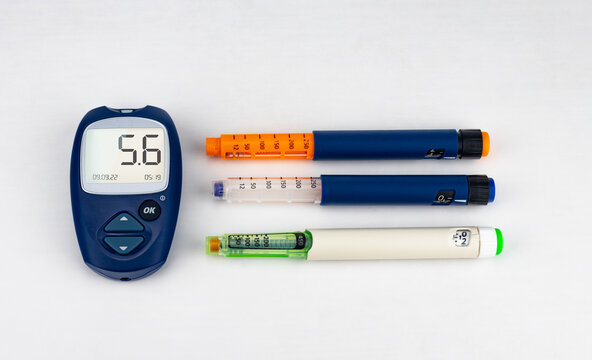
(269, 189)
(293, 244)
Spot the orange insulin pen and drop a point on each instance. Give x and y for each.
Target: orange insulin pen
(352, 145)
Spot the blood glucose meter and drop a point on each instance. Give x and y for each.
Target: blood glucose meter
(125, 185)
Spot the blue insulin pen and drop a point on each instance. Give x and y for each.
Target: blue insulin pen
(359, 189)
(352, 145)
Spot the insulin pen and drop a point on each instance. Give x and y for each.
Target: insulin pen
(363, 244)
(365, 144)
(359, 189)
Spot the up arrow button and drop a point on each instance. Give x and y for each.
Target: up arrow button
(124, 222)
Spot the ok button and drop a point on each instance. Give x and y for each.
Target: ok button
(149, 210)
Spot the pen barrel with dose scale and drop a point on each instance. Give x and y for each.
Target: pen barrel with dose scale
(353, 145)
(262, 146)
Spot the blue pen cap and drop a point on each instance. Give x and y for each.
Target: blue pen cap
(388, 144)
(439, 190)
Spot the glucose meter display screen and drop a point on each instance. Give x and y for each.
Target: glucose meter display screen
(120, 156)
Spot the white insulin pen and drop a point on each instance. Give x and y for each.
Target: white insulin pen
(363, 244)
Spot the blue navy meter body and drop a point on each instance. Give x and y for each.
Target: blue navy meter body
(125, 185)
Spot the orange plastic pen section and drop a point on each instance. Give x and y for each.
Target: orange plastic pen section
(262, 146)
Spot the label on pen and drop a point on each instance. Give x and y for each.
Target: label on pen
(444, 197)
(462, 238)
(434, 154)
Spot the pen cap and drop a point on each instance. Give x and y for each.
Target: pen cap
(397, 243)
(405, 243)
(438, 190)
(386, 144)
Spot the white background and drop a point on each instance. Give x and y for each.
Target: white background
(520, 69)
